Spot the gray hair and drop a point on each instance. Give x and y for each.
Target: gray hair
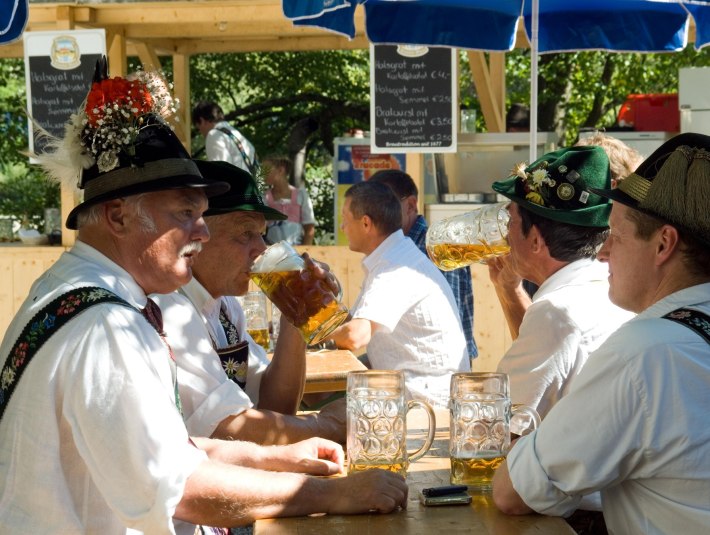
(91, 215)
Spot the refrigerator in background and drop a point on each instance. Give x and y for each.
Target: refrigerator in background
(644, 142)
(694, 99)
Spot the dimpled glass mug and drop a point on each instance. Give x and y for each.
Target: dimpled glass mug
(377, 422)
(464, 239)
(308, 303)
(480, 426)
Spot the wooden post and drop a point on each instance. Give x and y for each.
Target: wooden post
(181, 81)
(488, 90)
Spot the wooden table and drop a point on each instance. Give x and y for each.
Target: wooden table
(327, 370)
(481, 517)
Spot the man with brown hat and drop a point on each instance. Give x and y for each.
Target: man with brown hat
(634, 425)
(556, 228)
(91, 435)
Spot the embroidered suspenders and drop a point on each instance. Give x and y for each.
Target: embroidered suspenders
(693, 319)
(42, 326)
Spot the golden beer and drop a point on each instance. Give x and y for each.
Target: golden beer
(450, 256)
(260, 336)
(475, 471)
(307, 302)
(398, 467)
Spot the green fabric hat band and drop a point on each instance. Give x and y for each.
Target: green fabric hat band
(558, 185)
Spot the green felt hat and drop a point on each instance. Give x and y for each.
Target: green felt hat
(244, 192)
(558, 185)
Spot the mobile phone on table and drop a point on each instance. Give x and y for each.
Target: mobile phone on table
(448, 495)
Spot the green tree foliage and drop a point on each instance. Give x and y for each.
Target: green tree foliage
(24, 191)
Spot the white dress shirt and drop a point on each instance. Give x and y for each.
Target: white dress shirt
(91, 441)
(191, 321)
(634, 426)
(419, 329)
(220, 146)
(570, 317)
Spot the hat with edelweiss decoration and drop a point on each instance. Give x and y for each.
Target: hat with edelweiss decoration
(560, 186)
(673, 184)
(118, 144)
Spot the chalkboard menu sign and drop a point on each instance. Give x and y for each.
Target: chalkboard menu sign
(413, 98)
(59, 67)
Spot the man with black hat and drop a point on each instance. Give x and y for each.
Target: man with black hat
(258, 405)
(634, 425)
(556, 228)
(91, 435)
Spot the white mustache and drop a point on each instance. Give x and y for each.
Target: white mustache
(190, 248)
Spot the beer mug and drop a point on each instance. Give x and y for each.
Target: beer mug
(480, 426)
(376, 422)
(471, 237)
(307, 302)
(254, 306)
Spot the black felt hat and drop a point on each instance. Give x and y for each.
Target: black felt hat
(244, 194)
(672, 184)
(118, 144)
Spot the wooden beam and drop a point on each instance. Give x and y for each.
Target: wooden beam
(146, 53)
(493, 112)
(181, 91)
(117, 60)
(496, 64)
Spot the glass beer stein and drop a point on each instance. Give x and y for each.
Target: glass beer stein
(254, 306)
(376, 422)
(480, 426)
(464, 239)
(307, 302)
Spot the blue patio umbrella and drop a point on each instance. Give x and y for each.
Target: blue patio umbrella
(551, 25)
(13, 19)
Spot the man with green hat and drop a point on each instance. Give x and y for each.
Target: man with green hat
(228, 387)
(556, 227)
(634, 426)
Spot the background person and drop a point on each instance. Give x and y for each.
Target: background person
(415, 227)
(229, 388)
(299, 227)
(405, 313)
(623, 160)
(223, 142)
(642, 396)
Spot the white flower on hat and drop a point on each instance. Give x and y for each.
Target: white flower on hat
(540, 177)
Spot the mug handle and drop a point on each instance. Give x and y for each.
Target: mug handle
(430, 433)
(524, 409)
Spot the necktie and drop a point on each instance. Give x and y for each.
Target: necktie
(154, 316)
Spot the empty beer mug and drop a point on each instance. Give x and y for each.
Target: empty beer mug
(307, 302)
(480, 426)
(377, 422)
(464, 239)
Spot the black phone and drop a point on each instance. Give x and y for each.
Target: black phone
(460, 498)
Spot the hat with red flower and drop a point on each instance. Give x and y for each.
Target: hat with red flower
(119, 144)
(559, 186)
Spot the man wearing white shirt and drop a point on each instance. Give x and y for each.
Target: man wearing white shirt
(223, 142)
(556, 228)
(405, 314)
(634, 425)
(208, 329)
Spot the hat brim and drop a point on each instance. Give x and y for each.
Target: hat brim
(162, 184)
(594, 216)
(235, 201)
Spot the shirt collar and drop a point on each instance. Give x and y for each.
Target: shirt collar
(112, 276)
(201, 298)
(374, 257)
(591, 269)
(418, 230)
(687, 297)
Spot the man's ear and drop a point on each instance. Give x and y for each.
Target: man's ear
(667, 241)
(115, 214)
(411, 205)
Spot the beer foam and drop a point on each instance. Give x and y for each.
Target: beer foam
(275, 257)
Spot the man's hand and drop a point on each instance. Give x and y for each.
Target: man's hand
(314, 456)
(369, 491)
(331, 421)
(502, 273)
